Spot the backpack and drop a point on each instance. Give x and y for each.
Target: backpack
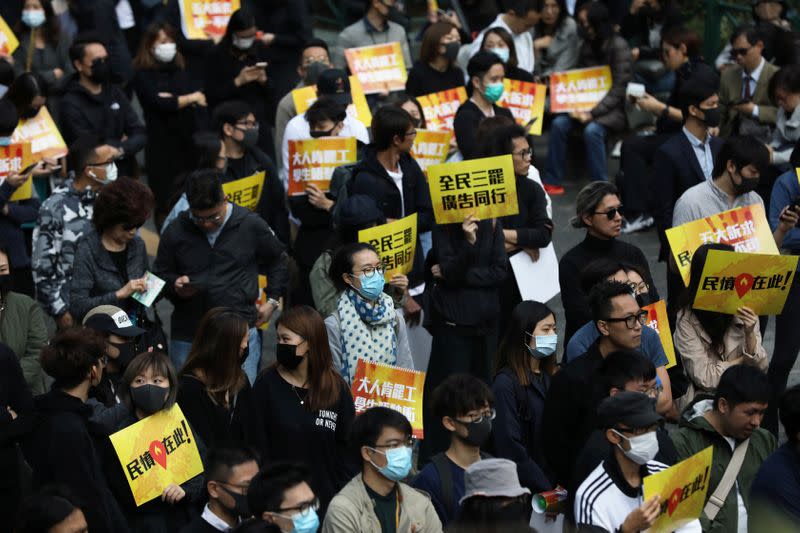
(339, 188)
(442, 465)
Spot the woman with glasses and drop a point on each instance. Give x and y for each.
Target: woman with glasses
(710, 342)
(303, 406)
(523, 366)
(111, 260)
(365, 324)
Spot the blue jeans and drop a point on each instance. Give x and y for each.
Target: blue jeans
(179, 351)
(594, 139)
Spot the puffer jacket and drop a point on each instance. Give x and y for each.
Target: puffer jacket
(610, 111)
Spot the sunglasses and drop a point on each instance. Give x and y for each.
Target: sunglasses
(739, 51)
(612, 213)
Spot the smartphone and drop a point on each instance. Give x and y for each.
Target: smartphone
(29, 168)
(262, 64)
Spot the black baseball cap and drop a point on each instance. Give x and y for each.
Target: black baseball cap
(333, 83)
(632, 409)
(111, 320)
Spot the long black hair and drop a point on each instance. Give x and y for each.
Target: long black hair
(512, 353)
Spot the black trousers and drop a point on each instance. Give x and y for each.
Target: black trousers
(635, 181)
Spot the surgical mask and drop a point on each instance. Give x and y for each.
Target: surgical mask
(643, 447)
(305, 523)
(545, 346)
(745, 186)
(398, 463)
(451, 51)
(240, 506)
(243, 43)
(101, 71)
(111, 174)
(127, 351)
(712, 116)
(477, 432)
(502, 53)
(250, 137)
(33, 18)
(287, 357)
(371, 287)
(493, 92)
(165, 52)
(5, 141)
(149, 398)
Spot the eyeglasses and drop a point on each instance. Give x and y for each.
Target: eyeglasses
(739, 51)
(524, 154)
(371, 271)
(639, 288)
(491, 414)
(630, 321)
(132, 226)
(612, 213)
(397, 443)
(304, 508)
(411, 133)
(214, 219)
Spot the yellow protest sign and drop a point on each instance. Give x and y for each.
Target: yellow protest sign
(304, 97)
(744, 228)
(658, 322)
(246, 192)
(440, 108)
(395, 243)
(376, 384)
(157, 451)
(15, 158)
(430, 148)
(525, 100)
(314, 160)
(8, 41)
(731, 280)
(379, 67)
(42, 133)
(682, 491)
(485, 188)
(204, 19)
(580, 89)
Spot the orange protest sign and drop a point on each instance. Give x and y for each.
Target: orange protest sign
(314, 160)
(204, 19)
(658, 322)
(731, 280)
(578, 90)
(379, 67)
(525, 100)
(304, 97)
(14, 158)
(681, 489)
(430, 148)
(440, 108)
(42, 133)
(485, 188)
(8, 41)
(744, 228)
(376, 384)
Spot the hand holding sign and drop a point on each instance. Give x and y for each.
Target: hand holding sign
(642, 517)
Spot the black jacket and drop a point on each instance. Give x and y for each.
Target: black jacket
(532, 217)
(14, 393)
(11, 234)
(465, 125)
(424, 79)
(65, 448)
(100, 16)
(222, 67)
(225, 274)
(636, 29)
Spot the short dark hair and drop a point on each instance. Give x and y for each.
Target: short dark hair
(8, 117)
(368, 426)
(599, 270)
(268, 488)
(221, 461)
(47, 508)
(78, 48)
(314, 43)
(71, 354)
(676, 36)
(522, 7)
(623, 366)
(342, 262)
(459, 394)
(325, 108)
(389, 122)
(790, 412)
(82, 149)
(601, 295)
(481, 63)
(125, 201)
(230, 112)
(204, 189)
(743, 150)
(787, 79)
(501, 140)
(752, 33)
(589, 198)
(742, 384)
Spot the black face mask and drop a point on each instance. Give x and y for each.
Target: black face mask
(745, 186)
(514, 512)
(313, 71)
(287, 356)
(451, 51)
(477, 432)
(127, 351)
(30, 113)
(240, 506)
(713, 117)
(149, 398)
(644, 299)
(101, 71)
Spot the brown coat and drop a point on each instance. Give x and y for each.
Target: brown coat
(730, 92)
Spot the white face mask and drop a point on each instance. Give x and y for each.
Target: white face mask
(165, 52)
(243, 43)
(643, 447)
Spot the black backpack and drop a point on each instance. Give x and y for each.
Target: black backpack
(442, 465)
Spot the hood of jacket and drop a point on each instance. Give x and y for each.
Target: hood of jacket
(693, 416)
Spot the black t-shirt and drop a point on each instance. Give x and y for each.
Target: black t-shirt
(386, 509)
(424, 79)
(292, 432)
(120, 260)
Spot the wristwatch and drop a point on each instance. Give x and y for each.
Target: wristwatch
(275, 303)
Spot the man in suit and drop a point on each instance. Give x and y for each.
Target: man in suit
(743, 93)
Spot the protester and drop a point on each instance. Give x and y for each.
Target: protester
(769, 18)
(784, 91)
(518, 19)
(303, 406)
(75, 361)
(52, 509)
(229, 475)
(485, 87)
(612, 496)
(374, 28)
(644, 26)
(280, 495)
(376, 499)
(500, 42)
(92, 105)
(464, 406)
(212, 247)
(556, 43)
(436, 69)
(710, 342)
(524, 364)
(111, 260)
(601, 46)
(411, 105)
(56, 235)
(365, 323)
(100, 17)
(727, 422)
(174, 107)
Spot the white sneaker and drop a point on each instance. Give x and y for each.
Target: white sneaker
(642, 222)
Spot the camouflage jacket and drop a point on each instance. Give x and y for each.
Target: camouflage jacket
(63, 219)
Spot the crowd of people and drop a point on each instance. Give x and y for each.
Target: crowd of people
(514, 403)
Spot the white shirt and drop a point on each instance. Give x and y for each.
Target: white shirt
(214, 521)
(397, 178)
(298, 128)
(523, 44)
(754, 76)
(742, 518)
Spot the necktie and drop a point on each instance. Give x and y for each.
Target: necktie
(747, 94)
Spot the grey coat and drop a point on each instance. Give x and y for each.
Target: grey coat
(785, 135)
(46, 60)
(95, 278)
(562, 54)
(610, 111)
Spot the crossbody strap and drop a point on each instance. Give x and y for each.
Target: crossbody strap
(717, 500)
